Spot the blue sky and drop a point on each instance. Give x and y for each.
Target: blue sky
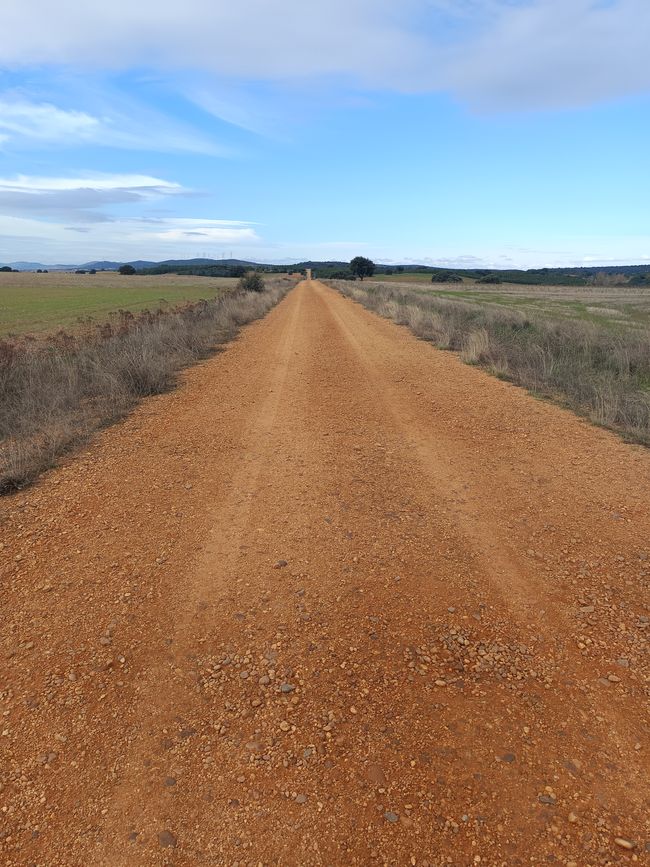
(452, 132)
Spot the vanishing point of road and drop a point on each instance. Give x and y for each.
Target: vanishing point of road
(338, 599)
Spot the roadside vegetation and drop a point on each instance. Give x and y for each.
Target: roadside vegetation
(598, 370)
(57, 391)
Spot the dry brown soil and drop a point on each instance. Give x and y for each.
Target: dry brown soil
(339, 599)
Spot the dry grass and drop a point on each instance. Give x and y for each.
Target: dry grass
(600, 372)
(54, 393)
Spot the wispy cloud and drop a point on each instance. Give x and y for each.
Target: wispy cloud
(33, 122)
(38, 214)
(122, 238)
(45, 122)
(79, 199)
(204, 231)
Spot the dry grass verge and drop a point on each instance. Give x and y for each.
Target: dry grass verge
(56, 392)
(599, 372)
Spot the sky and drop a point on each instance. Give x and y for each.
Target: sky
(497, 133)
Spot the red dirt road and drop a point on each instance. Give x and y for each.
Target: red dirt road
(339, 599)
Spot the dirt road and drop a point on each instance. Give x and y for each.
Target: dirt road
(339, 599)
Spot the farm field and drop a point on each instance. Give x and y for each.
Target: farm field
(42, 302)
(613, 305)
(339, 599)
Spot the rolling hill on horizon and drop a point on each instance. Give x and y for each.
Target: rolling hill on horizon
(207, 267)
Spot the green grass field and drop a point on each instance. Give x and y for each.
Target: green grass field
(614, 306)
(31, 303)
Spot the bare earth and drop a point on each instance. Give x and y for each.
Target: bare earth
(337, 600)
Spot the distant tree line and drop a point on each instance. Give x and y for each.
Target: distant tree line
(361, 267)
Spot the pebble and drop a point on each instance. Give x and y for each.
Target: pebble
(170, 781)
(280, 564)
(547, 799)
(301, 799)
(166, 839)
(390, 816)
(284, 725)
(623, 843)
(287, 687)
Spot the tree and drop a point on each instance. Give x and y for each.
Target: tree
(126, 269)
(362, 267)
(251, 282)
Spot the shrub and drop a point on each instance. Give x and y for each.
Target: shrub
(445, 277)
(251, 281)
(126, 269)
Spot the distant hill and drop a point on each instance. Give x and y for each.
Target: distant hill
(204, 267)
(23, 266)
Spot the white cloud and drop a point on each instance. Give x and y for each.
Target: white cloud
(553, 54)
(79, 199)
(141, 183)
(74, 219)
(367, 39)
(493, 53)
(201, 231)
(123, 239)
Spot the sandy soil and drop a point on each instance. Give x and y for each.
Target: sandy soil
(337, 600)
